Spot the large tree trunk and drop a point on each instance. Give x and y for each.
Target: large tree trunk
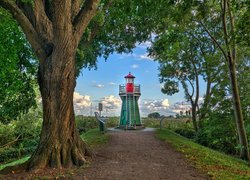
(60, 144)
(244, 152)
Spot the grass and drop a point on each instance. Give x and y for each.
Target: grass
(217, 165)
(93, 138)
(19, 161)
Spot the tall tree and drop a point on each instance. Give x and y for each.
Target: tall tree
(54, 30)
(228, 11)
(181, 62)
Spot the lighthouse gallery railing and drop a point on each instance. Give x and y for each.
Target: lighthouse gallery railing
(122, 89)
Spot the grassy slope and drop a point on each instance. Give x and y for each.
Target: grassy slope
(93, 138)
(215, 164)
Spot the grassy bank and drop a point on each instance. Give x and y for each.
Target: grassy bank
(92, 137)
(95, 138)
(217, 165)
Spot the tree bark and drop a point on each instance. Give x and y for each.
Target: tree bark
(197, 94)
(231, 58)
(244, 152)
(194, 115)
(60, 145)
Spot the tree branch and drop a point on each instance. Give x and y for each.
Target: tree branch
(42, 21)
(196, 83)
(232, 25)
(224, 19)
(27, 27)
(11, 142)
(213, 38)
(83, 18)
(75, 8)
(191, 95)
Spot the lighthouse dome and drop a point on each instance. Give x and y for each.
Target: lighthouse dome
(129, 76)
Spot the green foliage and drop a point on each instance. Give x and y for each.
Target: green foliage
(84, 123)
(20, 137)
(188, 133)
(20, 161)
(154, 115)
(17, 70)
(215, 164)
(112, 122)
(95, 138)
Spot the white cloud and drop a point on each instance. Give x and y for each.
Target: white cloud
(137, 56)
(165, 103)
(111, 105)
(112, 84)
(149, 106)
(134, 66)
(99, 85)
(81, 102)
(180, 106)
(144, 57)
(111, 102)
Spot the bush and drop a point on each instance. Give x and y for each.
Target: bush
(218, 132)
(112, 122)
(14, 153)
(84, 123)
(188, 133)
(7, 133)
(23, 133)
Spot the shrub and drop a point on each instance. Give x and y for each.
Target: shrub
(218, 132)
(85, 123)
(188, 133)
(14, 153)
(112, 122)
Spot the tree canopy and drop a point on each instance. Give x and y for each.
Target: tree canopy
(17, 70)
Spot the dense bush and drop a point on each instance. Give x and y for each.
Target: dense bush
(218, 132)
(20, 137)
(112, 122)
(14, 153)
(188, 133)
(85, 123)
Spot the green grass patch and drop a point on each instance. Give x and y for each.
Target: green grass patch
(19, 161)
(217, 165)
(95, 138)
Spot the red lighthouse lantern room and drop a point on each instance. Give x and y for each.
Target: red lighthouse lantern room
(129, 83)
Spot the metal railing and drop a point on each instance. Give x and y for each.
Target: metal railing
(122, 89)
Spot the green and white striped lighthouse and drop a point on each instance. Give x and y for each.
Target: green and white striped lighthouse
(130, 93)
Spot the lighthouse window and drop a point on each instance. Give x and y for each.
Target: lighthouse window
(130, 80)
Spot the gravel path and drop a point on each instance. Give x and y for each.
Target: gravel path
(139, 155)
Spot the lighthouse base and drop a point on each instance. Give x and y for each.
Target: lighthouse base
(137, 127)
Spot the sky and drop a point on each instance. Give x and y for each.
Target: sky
(102, 85)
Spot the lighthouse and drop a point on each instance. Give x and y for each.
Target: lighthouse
(129, 94)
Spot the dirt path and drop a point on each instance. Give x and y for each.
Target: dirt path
(139, 155)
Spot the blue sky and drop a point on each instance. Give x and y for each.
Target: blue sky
(102, 85)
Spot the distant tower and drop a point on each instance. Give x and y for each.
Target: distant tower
(130, 93)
